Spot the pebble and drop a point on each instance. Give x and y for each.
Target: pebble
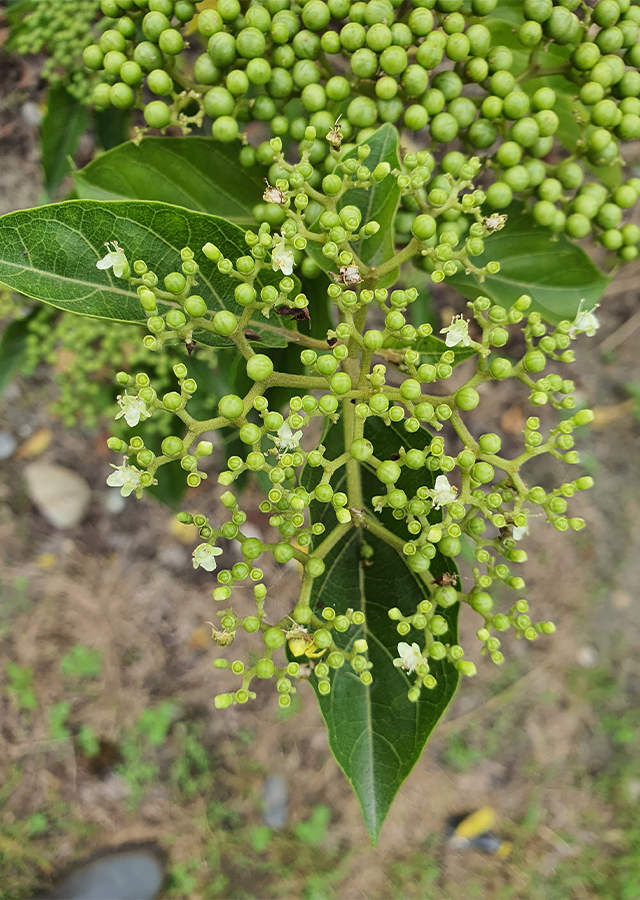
(587, 657)
(31, 113)
(174, 557)
(275, 795)
(113, 502)
(61, 495)
(7, 444)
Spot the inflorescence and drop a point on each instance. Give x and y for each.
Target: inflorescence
(359, 374)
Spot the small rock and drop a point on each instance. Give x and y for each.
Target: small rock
(62, 496)
(113, 502)
(173, 557)
(621, 599)
(587, 657)
(274, 797)
(7, 444)
(632, 790)
(31, 113)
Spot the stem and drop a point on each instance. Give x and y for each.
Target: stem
(352, 467)
(309, 382)
(410, 250)
(383, 533)
(351, 365)
(331, 540)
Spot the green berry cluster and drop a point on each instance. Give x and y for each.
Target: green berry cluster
(433, 68)
(385, 375)
(308, 637)
(61, 30)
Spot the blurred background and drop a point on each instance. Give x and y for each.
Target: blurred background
(108, 731)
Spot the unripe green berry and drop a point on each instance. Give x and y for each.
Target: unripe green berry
(171, 446)
(388, 472)
(361, 449)
(534, 361)
(259, 367)
(450, 546)
(467, 398)
(230, 406)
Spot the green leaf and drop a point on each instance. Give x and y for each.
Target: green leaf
(64, 123)
(503, 23)
(375, 733)
(378, 203)
(195, 172)
(556, 274)
(111, 126)
(50, 254)
(13, 346)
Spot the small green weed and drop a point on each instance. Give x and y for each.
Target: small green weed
(459, 754)
(20, 687)
(82, 662)
(417, 875)
(191, 770)
(14, 600)
(88, 740)
(58, 714)
(313, 831)
(182, 880)
(154, 724)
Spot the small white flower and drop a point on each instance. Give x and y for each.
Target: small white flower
(126, 477)
(282, 259)
(494, 222)
(457, 332)
(519, 531)
(410, 657)
(133, 409)
(285, 439)
(114, 259)
(442, 492)
(273, 194)
(584, 322)
(205, 556)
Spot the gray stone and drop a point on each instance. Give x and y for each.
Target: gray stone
(127, 874)
(275, 795)
(7, 444)
(62, 496)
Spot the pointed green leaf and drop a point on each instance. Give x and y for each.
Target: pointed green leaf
(111, 126)
(556, 274)
(378, 203)
(13, 346)
(50, 254)
(195, 172)
(64, 123)
(375, 733)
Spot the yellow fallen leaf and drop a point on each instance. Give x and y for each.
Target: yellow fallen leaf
(46, 561)
(34, 445)
(186, 534)
(604, 415)
(504, 850)
(477, 823)
(199, 639)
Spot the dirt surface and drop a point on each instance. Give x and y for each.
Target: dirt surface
(524, 740)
